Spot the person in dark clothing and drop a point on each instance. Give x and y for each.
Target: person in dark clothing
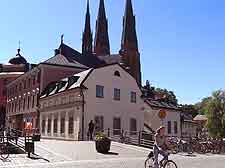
(91, 127)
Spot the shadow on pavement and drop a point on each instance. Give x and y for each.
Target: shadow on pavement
(37, 157)
(190, 155)
(111, 153)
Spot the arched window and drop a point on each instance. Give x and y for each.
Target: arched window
(117, 73)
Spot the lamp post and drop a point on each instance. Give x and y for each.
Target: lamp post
(82, 118)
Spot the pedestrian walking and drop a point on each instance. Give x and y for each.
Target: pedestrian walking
(91, 127)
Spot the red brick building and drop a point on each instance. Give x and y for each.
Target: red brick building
(9, 72)
(23, 92)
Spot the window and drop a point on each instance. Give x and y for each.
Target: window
(133, 126)
(28, 102)
(20, 86)
(49, 125)
(117, 73)
(133, 97)
(24, 84)
(99, 123)
(116, 126)
(29, 83)
(116, 94)
(70, 125)
(33, 101)
(55, 125)
(43, 126)
(34, 80)
(99, 91)
(62, 128)
(24, 103)
(19, 104)
(12, 107)
(169, 127)
(175, 127)
(15, 105)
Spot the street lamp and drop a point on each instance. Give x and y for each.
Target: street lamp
(82, 118)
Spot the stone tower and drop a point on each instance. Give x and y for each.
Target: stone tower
(87, 34)
(129, 44)
(101, 43)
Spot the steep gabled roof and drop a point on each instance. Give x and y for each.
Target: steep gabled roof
(161, 104)
(200, 118)
(71, 82)
(73, 55)
(62, 60)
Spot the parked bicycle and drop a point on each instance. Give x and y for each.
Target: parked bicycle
(149, 162)
(124, 138)
(4, 152)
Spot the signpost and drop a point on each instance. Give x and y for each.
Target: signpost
(162, 115)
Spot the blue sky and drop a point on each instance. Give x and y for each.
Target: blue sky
(182, 43)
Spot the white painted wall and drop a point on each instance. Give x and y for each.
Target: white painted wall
(58, 106)
(151, 118)
(107, 106)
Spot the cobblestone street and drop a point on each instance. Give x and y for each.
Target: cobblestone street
(66, 154)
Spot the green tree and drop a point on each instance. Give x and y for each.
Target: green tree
(189, 109)
(202, 106)
(167, 96)
(215, 111)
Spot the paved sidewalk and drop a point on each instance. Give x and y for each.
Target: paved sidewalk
(85, 150)
(68, 154)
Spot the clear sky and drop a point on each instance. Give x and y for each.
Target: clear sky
(182, 42)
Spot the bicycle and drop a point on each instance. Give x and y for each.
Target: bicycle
(4, 152)
(149, 162)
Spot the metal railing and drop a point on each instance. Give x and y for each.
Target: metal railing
(138, 138)
(17, 139)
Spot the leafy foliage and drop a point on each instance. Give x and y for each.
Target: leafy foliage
(189, 109)
(159, 94)
(215, 111)
(167, 96)
(100, 136)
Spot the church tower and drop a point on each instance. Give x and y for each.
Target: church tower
(87, 34)
(129, 43)
(101, 43)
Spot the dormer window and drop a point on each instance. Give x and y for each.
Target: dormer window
(117, 73)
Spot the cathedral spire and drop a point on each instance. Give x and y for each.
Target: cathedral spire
(101, 44)
(129, 44)
(129, 35)
(87, 34)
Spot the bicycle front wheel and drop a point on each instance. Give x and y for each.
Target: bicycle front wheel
(4, 152)
(149, 163)
(170, 164)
